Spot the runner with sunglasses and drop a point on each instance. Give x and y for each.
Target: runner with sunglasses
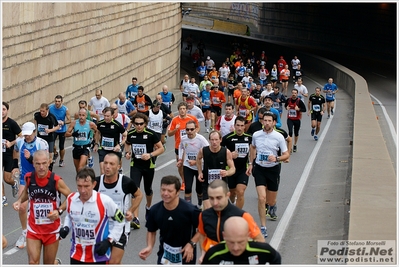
(142, 145)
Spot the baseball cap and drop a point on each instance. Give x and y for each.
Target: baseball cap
(28, 128)
(156, 103)
(268, 96)
(208, 57)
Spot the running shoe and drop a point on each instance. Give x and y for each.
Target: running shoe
(21, 242)
(207, 130)
(61, 164)
(316, 138)
(5, 203)
(58, 261)
(267, 208)
(15, 188)
(120, 170)
(332, 112)
(55, 156)
(272, 212)
(263, 230)
(183, 187)
(206, 123)
(312, 131)
(294, 149)
(135, 223)
(90, 162)
(328, 117)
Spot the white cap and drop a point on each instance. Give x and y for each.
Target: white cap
(28, 128)
(208, 57)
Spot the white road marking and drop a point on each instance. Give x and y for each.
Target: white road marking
(11, 251)
(388, 119)
(289, 211)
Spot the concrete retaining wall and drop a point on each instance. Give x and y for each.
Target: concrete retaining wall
(72, 49)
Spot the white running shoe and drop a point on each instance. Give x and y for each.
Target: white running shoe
(21, 242)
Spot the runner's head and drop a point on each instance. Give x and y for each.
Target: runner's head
(236, 234)
(140, 121)
(99, 94)
(43, 110)
(268, 101)
(108, 113)
(191, 127)
(215, 138)
(269, 121)
(170, 189)
(294, 93)
(140, 91)
(219, 194)
(5, 109)
(112, 164)
(58, 101)
(239, 125)
(41, 163)
(182, 107)
(82, 115)
(85, 181)
(229, 110)
(317, 91)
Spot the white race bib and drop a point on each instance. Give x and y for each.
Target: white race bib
(171, 255)
(183, 133)
(276, 105)
(41, 211)
(3, 144)
(192, 156)
(213, 174)
(316, 108)
(292, 113)
(242, 149)
(262, 158)
(107, 143)
(84, 234)
(41, 129)
(139, 150)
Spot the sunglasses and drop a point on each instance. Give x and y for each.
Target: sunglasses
(190, 129)
(139, 123)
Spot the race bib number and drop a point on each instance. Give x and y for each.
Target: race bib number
(262, 158)
(215, 100)
(139, 150)
(213, 174)
(183, 133)
(3, 144)
(84, 234)
(171, 255)
(297, 73)
(207, 102)
(82, 137)
(156, 126)
(276, 105)
(243, 112)
(140, 106)
(41, 129)
(41, 211)
(242, 149)
(99, 111)
(329, 95)
(192, 156)
(292, 113)
(133, 94)
(107, 143)
(316, 108)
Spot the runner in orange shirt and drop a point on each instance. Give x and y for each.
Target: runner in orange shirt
(177, 127)
(217, 100)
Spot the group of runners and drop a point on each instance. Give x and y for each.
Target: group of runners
(244, 138)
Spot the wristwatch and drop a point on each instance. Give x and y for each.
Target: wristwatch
(192, 244)
(60, 212)
(277, 159)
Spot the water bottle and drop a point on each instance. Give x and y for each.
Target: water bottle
(90, 162)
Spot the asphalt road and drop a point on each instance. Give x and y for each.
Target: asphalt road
(312, 195)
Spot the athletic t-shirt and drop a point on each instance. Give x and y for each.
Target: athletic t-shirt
(98, 105)
(49, 122)
(190, 148)
(182, 129)
(268, 144)
(176, 228)
(10, 130)
(110, 133)
(142, 143)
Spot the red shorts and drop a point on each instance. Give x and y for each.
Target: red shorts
(47, 239)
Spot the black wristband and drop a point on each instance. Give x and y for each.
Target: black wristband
(15, 164)
(30, 159)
